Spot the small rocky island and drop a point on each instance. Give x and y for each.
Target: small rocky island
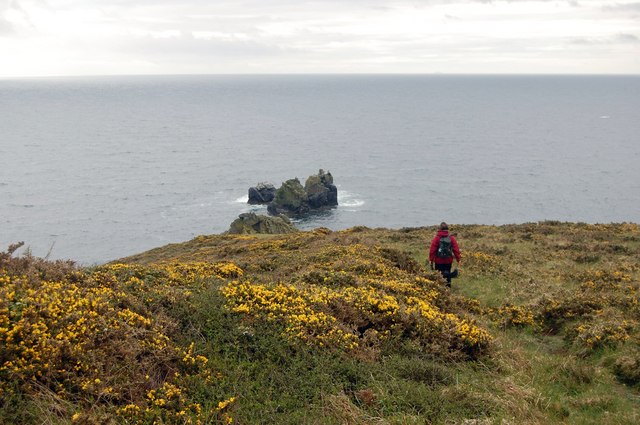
(294, 200)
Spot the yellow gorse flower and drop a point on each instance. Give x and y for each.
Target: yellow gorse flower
(352, 292)
(48, 327)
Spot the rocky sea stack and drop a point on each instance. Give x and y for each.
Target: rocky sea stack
(295, 200)
(262, 193)
(321, 192)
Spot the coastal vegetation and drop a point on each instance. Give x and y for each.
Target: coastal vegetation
(330, 327)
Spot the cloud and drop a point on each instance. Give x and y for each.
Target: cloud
(195, 36)
(627, 38)
(624, 10)
(182, 46)
(615, 39)
(5, 26)
(622, 7)
(14, 15)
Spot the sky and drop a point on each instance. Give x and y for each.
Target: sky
(100, 37)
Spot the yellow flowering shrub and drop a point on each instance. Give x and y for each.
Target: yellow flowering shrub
(479, 263)
(291, 308)
(513, 315)
(189, 272)
(595, 308)
(96, 336)
(602, 279)
(596, 334)
(352, 295)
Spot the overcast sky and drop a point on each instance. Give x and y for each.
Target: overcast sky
(85, 37)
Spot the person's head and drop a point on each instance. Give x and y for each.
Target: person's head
(444, 226)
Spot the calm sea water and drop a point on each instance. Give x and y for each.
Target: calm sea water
(98, 168)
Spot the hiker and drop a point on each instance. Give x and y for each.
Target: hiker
(443, 248)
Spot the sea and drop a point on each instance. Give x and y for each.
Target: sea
(97, 168)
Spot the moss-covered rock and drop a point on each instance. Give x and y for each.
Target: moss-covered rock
(251, 223)
(321, 190)
(290, 199)
(293, 199)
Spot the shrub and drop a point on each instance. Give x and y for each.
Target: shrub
(102, 339)
(627, 369)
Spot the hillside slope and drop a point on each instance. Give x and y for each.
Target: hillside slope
(331, 327)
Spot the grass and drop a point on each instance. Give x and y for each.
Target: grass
(325, 327)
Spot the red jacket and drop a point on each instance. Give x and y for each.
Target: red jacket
(434, 248)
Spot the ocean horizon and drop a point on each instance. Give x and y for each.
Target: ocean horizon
(98, 168)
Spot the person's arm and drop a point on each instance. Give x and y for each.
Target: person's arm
(432, 251)
(456, 249)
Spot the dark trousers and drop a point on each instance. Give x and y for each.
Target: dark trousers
(442, 268)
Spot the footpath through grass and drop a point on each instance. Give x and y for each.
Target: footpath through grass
(329, 327)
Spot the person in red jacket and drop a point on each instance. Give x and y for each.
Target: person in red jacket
(444, 248)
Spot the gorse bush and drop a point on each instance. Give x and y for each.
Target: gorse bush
(100, 340)
(356, 298)
(627, 368)
(600, 309)
(356, 317)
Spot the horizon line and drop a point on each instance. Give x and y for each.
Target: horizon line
(302, 74)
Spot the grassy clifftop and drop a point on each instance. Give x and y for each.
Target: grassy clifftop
(330, 327)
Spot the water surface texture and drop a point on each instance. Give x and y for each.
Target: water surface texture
(98, 168)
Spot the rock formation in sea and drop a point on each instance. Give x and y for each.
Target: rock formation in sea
(321, 191)
(296, 200)
(262, 193)
(251, 223)
(290, 199)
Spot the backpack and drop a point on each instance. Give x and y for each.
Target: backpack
(444, 248)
